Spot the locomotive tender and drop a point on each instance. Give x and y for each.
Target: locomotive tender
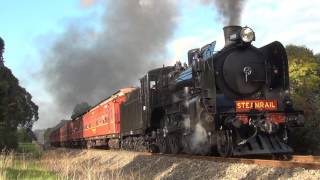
(231, 102)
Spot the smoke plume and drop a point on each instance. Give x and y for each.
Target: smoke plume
(229, 10)
(85, 65)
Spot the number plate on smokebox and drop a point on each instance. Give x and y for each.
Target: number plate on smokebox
(246, 105)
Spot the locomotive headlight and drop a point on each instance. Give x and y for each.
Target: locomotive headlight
(247, 34)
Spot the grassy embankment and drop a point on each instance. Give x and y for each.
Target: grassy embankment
(29, 162)
(25, 163)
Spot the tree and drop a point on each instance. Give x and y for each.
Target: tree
(16, 106)
(304, 78)
(304, 72)
(25, 135)
(318, 57)
(80, 109)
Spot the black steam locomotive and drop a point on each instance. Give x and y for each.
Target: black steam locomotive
(233, 102)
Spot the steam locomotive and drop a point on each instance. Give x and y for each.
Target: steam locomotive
(232, 102)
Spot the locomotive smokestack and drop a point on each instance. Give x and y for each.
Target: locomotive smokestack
(230, 34)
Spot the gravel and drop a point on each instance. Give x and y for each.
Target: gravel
(104, 164)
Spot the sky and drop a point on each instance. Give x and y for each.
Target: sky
(29, 27)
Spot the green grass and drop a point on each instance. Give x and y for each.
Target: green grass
(29, 148)
(28, 170)
(24, 163)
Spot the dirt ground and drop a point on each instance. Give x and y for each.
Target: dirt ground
(104, 164)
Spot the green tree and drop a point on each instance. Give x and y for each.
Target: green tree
(25, 135)
(304, 72)
(1, 51)
(16, 106)
(318, 57)
(80, 109)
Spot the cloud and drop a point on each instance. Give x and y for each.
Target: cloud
(180, 46)
(290, 22)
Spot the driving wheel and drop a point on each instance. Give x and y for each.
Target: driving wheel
(224, 143)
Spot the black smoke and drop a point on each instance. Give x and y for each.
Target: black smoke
(229, 10)
(85, 65)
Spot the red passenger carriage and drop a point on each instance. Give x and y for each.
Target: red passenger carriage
(100, 126)
(64, 131)
(55, 137)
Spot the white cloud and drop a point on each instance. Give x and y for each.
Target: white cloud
(287, 21)
(179, 47)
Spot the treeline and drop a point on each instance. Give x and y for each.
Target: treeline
(16, 107)
(304, 72)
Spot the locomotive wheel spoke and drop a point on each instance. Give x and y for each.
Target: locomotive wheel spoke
(174, 144)
(224, 143)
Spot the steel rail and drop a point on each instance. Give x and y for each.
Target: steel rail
(307, 162)
(295, 161)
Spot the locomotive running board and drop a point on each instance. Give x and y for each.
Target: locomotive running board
(263, 144)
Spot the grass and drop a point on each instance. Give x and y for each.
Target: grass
(28, 170)
(30, 162)
(23, 164)
(82, 164)
(29, 148)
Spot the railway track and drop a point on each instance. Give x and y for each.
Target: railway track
(307, 162)
(296, 161)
